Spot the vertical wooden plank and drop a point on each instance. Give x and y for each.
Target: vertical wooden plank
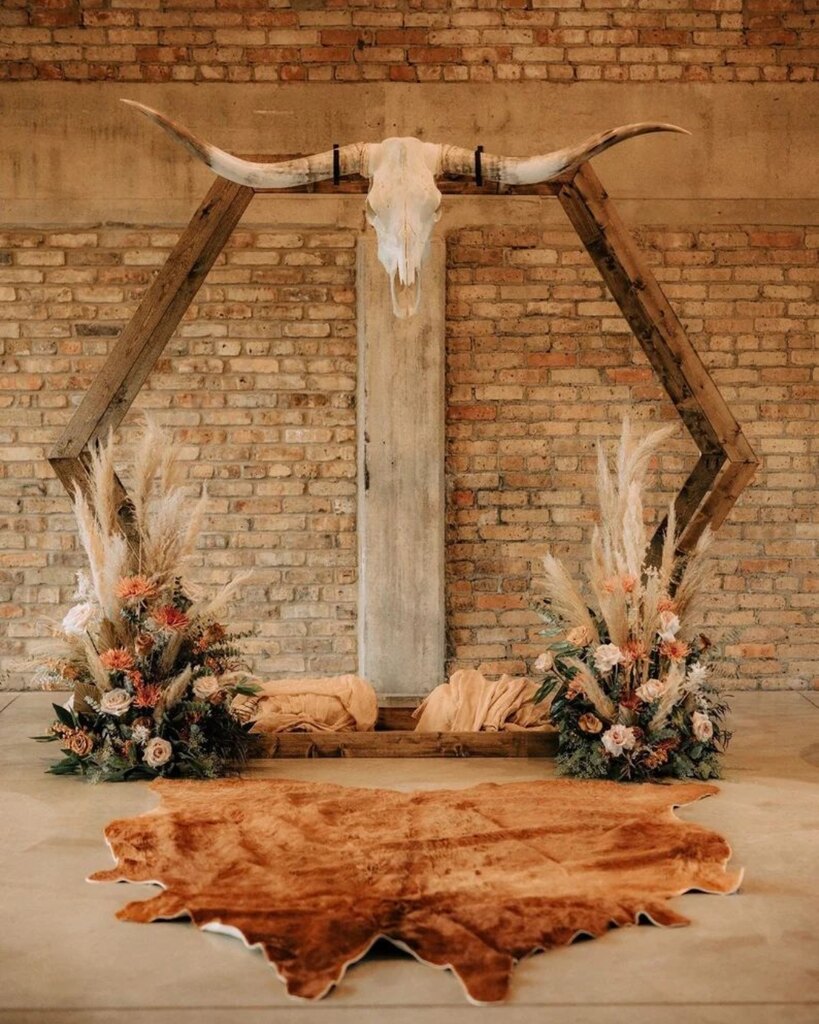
(145, 336)
(401, 496)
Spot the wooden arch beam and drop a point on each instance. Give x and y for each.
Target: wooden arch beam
(726, 464)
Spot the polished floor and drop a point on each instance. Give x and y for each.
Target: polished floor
(751, 958)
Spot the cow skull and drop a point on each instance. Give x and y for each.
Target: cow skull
(403, 202)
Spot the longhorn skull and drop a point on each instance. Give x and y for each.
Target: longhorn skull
(403, 202)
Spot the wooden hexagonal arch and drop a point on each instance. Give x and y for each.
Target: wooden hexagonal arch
(726, 463)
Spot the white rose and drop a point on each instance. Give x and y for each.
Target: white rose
(669, 626)
(157, 752)
(606, 656)
(617, 739)
(702, 726)
(696, 676)
(545, 662)
(205, 687)
(115, 702)
(650, 690)
(79, 618)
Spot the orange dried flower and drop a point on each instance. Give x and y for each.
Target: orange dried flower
(69, 672)
(676, 650)
(633, 650)
(666, 604)
(146, 695)
(117, 659)
(211, 635)
(136, 588)
(610, 585)
(170, 618)
(655, 758)
(628, 583)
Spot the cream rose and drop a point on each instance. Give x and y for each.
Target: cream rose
(157, 752)
(702, 726)
(79, 618)
(590, 723)
(115, 702)
(580, 636)
(617, 739)
(650, 691)
(206, 687)
(669, 626)
(606, 656)
(545, 662)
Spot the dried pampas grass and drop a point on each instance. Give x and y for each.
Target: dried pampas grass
(564, 599)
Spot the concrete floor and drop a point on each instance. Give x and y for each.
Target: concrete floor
(751, 958)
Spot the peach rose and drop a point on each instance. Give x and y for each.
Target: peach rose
(650, 691)
(580, 636)
(115, 702)
(80, 743)
(590, 723)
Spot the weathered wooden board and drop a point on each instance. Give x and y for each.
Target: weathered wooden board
(403, 743)
(727, 462)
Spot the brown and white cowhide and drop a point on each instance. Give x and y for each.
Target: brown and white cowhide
(471, 879)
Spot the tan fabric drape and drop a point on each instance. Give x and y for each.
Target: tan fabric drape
(340, 704)
(470, 703)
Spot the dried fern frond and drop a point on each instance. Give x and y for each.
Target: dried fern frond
(565, 599)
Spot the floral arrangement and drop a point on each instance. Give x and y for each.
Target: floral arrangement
(631, 682)
(152, 667)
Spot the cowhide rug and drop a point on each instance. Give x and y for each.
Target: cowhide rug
(471, 879)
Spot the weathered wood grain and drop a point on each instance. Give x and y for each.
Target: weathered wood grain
(401, 743)
(162, 307)
(712, 488)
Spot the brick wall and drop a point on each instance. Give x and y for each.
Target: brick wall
(541, 363)
(410, 40)
(259, 384)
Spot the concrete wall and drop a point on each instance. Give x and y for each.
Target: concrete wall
(259, 382)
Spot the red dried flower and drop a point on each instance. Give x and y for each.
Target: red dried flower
(170, 618)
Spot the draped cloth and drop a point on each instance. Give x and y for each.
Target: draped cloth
(340, 704)
(471, 703)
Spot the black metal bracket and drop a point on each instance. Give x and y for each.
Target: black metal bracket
(336, 164)
(478, 168)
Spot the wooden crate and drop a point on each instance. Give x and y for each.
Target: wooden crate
(394, 736)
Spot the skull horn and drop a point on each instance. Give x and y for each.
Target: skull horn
(286, 174)
(531, 170)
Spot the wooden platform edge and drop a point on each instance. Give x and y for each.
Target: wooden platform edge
(403, 743)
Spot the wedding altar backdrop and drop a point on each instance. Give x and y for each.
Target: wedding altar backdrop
(400, 413)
